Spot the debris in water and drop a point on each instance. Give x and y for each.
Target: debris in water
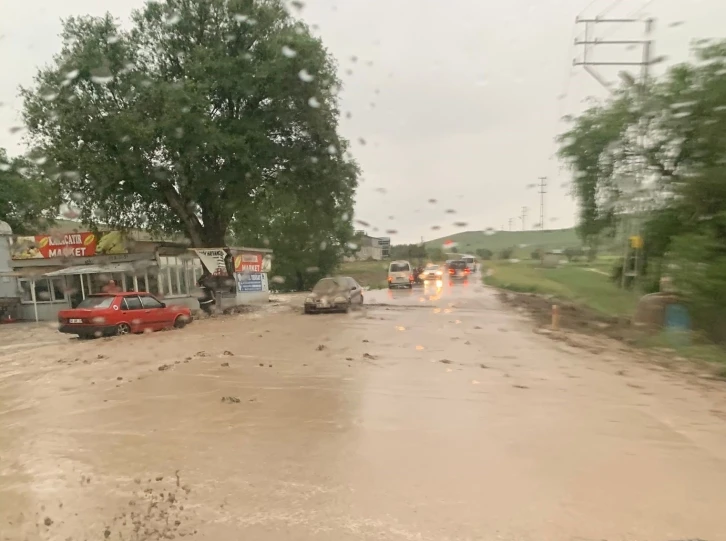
(226, 365)
(231, 399)
(164, 367)
(349, 358)
(48, 521)
(477, 327)
(369, 356)
(446, 361)
(160, 478)
(228, 353)
(520, 386)
(482, 365)
(321, 347)
(201, 354)
(365, 340)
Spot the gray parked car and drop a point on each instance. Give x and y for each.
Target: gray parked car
(335, 294)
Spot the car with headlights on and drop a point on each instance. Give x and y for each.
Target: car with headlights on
(334, 294)
(432, 272)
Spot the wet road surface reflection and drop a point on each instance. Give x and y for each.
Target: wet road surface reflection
(433, 414)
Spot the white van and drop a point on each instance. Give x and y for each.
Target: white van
(470, 262)
(400, 274)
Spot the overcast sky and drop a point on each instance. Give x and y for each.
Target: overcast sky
(457, 101)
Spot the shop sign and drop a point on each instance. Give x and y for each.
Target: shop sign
(251, 282)
(84, 244)
(213, 260)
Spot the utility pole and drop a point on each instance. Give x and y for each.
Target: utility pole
(511, 220)
(645, 62)
(542, 192)
(523, 217)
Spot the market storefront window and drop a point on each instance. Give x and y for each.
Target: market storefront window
(47, 290)
(178, 275)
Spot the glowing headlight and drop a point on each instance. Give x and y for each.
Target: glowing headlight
(438, 273)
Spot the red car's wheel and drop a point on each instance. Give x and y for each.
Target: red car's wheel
(123, 328)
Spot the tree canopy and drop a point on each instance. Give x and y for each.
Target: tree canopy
(195, 119)
(681, 197)
(29, 201)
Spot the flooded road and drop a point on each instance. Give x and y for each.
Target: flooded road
(432, 414)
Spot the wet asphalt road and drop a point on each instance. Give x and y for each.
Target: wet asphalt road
(432, 414)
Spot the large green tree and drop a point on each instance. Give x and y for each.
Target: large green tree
(682, 117)
(187, 121)
(29, 200)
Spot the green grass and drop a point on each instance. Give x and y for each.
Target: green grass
(574, 283)
(525, 241)
(372, 274)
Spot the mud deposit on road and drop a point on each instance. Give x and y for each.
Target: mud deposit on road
(449, 421)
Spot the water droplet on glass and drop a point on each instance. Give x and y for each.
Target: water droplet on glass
(297, 5)
(381, 190)
(435, 227)
(305, 76)
(332, 150)
(450, 211)
(391, 231)
(311, 270)
(16, 129)
(40, 160)
(461, 224)
(101, 78)
(172, 19)
(314, 159)
(352, 245)
(278, 279)
(4, 167)
(313, 102)
(68, 211)
(288, 52)
(323, 245)
(50, 96)
(361, 222)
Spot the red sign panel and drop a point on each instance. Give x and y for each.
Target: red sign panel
(248, 261)
(47, 246)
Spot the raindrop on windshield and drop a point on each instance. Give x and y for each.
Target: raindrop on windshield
(278, 279)
(450, 211)
(332, 150)
(288, 52)
(172, 19)
(313, 102)
(305, 76)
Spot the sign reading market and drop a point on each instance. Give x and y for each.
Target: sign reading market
(82, 244)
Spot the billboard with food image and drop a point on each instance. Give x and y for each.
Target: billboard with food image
(83, 244)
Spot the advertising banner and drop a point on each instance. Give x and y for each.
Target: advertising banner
(251, 282)
(248, 262)
(84, 244)
(213, 260)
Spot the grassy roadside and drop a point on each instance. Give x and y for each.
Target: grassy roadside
(586, 285)
(372, 274)
(589, 286)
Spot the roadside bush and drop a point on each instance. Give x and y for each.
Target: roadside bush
(506, 253)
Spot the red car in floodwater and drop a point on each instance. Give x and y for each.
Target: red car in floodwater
(106, 314)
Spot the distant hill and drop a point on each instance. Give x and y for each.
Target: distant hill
(470, 241)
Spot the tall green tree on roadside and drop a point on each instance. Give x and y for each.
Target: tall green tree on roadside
(309, 232)
(29, 200)
(684, 148)
(187, 121)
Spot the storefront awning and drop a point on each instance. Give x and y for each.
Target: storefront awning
(94, 269)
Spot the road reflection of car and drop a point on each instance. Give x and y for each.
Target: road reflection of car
(459, 270)
(335, 294)
(107, 314)
(432, 272)
(400, 274)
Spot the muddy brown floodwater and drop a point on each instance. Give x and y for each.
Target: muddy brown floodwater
(429, 415)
